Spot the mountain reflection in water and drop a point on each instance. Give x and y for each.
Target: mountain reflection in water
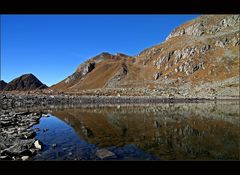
(203, 131)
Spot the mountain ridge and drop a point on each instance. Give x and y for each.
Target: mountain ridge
(24, 82)
(192, 55)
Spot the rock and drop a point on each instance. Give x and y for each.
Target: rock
(88, 68)
(235, 41)
(45, 130)
(118, 95)
(29, 135)
(54, 145)
(45, 115)
(230, 20)
(205, 48)
(36, 129)
(181, 68)
(5, 157)
(38, 145)
(178, 54)
(24, 158)
(2, 146)
(157, 75)
(189, 51)
(156, 124)
(18, 150)
(104, 153)
(195, 30)
(195, 68)
(222, 43)
(176, 33)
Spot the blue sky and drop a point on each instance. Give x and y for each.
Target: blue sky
(52, 46)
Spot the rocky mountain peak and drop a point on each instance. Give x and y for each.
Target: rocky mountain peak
(25, 82)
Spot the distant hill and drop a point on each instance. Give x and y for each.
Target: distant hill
(2, 84)
(200, 56)
(25, 82)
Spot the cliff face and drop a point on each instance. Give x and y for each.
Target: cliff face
(203, 50)
(25, 82)
(200, 56)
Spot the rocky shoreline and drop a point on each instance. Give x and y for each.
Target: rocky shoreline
(17, 140)
(10, 101)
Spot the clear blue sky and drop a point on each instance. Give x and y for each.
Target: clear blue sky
(52, 46)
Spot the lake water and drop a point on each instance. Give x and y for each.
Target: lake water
(199, 131)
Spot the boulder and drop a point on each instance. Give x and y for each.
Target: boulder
(38, 145)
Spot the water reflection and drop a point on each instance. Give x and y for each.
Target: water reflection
(203, 131)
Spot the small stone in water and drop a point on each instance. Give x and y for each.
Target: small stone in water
(54, 145)
(104, 153)
(45, 130)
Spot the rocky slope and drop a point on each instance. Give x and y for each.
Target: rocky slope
(24, 82)
(200, 57)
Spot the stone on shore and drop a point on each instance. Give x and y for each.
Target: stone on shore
(38, 145)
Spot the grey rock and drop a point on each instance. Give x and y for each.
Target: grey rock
(24, 158)
(176, 33)
(195, 30)
(157, 75)
(104, 153)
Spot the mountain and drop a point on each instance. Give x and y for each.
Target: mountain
(25, 82)
(100, 71)
(198, 57)
(2, 84)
